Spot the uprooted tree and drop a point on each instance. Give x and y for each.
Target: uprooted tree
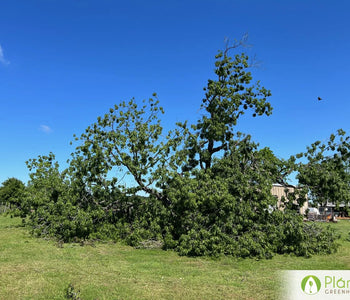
(206, 188)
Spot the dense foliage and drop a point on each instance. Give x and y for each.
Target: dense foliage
(59, 207)
(201, 189)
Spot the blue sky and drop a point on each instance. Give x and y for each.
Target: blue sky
(65, 62)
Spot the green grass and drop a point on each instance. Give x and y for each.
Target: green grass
(33, 268)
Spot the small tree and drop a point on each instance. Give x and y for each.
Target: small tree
(12, 193)
(47, 182)
(326, 172)
(52, 203)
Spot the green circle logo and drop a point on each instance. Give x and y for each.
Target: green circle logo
(311, 285)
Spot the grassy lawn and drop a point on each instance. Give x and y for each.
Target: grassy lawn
(33, 268)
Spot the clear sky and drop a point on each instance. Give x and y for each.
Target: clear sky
(65, 62)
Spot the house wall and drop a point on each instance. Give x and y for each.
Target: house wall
(279, 191)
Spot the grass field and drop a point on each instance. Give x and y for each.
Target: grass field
(33, 268)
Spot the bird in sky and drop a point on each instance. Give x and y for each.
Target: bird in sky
(319, 98)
